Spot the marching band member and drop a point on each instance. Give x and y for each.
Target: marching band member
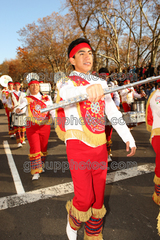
(127, 96)
(153, 125)
(5, 93)
(104, 73)
(13, 102)
(38, 124)
(9, 111)
(86, 141)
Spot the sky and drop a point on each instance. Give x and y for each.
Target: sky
(14, 15)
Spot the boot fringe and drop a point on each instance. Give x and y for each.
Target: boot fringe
(81, 216)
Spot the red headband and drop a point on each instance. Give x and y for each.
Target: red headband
(10, 83)
(104, 74)
(17, 83)
(158, 80)
(78, 47)
(33, 81)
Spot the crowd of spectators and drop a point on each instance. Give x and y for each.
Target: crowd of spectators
(145, 71)
(141, 73)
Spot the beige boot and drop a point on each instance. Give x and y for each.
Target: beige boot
(156, 194)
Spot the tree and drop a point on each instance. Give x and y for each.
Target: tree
(121, 33)
(47, 42)
(151, 14)
(114, 20)
(85, 15)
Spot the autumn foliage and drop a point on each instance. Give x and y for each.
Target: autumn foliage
(121, 33)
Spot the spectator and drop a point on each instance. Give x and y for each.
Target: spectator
(150, 89)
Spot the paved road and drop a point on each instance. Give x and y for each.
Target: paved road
(39, 212)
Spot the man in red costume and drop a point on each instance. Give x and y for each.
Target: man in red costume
(84, 134)
(127, 96)
(38, 124)
(153, 125)
(104, 73)
(13, 102)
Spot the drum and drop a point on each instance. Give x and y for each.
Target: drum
(141, 117)
(45, 88)
(138, 106)
(133, 119)
(19, 120)
(134, 106)
(130, 118)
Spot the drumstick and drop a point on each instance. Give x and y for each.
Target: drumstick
(15, 107)
(25, 106)
(21, 108)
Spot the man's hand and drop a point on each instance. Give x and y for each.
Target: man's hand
(18, 110)
(130, 90)
(143, 94)
(133, 150)
(95, 92)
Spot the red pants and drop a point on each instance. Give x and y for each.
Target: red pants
(37, 136)
(126, 107)
(88, 168)
(156, 146)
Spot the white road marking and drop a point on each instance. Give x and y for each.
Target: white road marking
(130, 172)
(15, 174)
(66, 188)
